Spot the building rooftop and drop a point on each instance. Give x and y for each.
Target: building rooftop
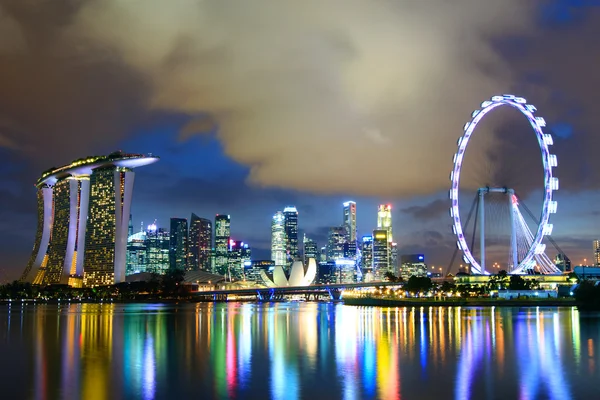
(84, 166)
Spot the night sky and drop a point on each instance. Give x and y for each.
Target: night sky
(253, 106)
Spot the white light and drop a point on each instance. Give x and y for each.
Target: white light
(547, 229)
(459, 141)
(552, 160)
(509, 96)
(458, 245)
(452, 175)
(486, 103)
(540, 121)
(466, 126)
(466, 259)
(451, 212)
(552, 206)
(530, 108)
(454, 158)
(554, 183)
(540, 248)
(548, 139)
(474, 114)
(497, 98)
(449, 194)
(520, 100)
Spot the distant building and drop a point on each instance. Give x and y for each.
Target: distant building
(349, 221)
(252, 269)
(412, 265)
(278, 239)
(335, 243)
(311, 250)
(366, 261)
(326, 273)
(222, 236)
(290, 214)
(178, 249)
(157, 250)
(394, 267)
(384, 220)
(381, 254)
(563, 263)
(239, 254)
(200, 244)
(345, 270)
(136, 254)
(596, 246)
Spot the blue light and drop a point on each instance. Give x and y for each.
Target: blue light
(420, 257)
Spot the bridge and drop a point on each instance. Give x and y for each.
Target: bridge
(312, 292)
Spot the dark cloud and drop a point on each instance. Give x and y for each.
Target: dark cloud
(431, 211)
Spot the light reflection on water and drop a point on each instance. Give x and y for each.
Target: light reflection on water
(295, 351)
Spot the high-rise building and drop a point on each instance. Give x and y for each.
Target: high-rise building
(239, 254)
(349, 221)
(178, 249)
(596, 253)
(384, 220)
(222, 236)
(158, 243)
(130, 228)
(136, 253)
(563, 262)
(381, 254)
(367, 255)
(278, 239)
(394, 268)
(200, 244)
(83, 214)
(291, 233)
(412, 265)
(311, 250)
(335, 243)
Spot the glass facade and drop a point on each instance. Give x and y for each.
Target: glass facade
(178, 247)
(200, 244)
(57, 251)
(311, 250)
(335, 243)
(239, 254)
(366, 261)
(222, 235)
(349, 221)
(278, 240)
(413, 265)
(136, 253)
(291, 233)
(157, 250)
(381, 254)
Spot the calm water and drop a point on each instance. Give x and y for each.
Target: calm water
(296, 351)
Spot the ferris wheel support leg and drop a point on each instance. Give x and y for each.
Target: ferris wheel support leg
(513, 229)
(482, 229)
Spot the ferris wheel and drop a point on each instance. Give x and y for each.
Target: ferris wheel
(527, 252)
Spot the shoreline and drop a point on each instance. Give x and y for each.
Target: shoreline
(372, 302)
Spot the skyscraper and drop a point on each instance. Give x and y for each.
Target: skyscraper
(222, 236)
(178, 244)
(130, 227)
(158, 244)
(278, 240)
(311, 250)
(291, 233)
(597, 252)
(335, 243)
(384, 220)
(381, 253)
(239, 254)
(349, 221)
(367, 255)
(413, 265)
(136, 253)
(200, 244)
(83, 214)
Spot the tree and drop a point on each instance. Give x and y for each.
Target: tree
(418, 284)
(172, 280)
(518, 283)
(447, 287)
(391, 277)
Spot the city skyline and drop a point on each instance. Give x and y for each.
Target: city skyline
(375, 137)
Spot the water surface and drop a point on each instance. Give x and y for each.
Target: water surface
(296, 351)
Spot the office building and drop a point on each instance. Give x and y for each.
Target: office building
(412, 265)
(349, 221)
(596, 246)
(158, 243)
(326, 273)
(200, 244)
(239, 254)
(222, 237)
(563, 263)
(83, 221)
(178, 249)
(394, 267)
(278, 239)
(384, 220)
(136, 254)
(253, 268)
(336, 239)
(311, 250)
(381, 254)
(291, 233)
(366, 262)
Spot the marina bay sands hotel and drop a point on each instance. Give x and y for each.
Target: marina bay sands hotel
(83, 216)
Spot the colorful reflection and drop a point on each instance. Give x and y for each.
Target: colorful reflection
(297, 351)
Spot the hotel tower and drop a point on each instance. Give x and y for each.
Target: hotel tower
(83, 217)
